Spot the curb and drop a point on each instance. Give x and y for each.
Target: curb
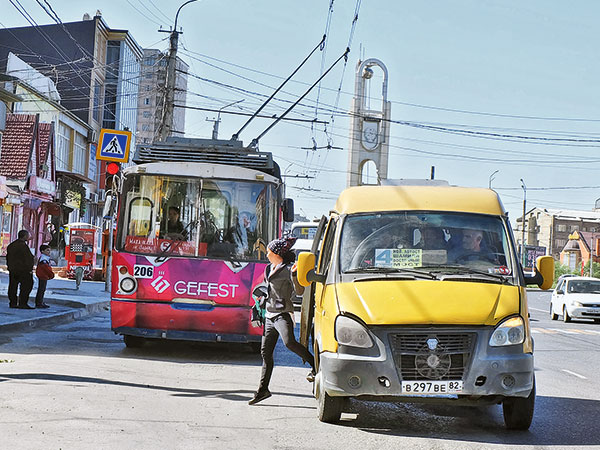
(56, 319)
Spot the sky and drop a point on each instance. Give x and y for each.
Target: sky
(503, 93)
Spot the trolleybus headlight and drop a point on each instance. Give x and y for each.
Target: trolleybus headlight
(127, 285)
(350, 332)
(509, 332)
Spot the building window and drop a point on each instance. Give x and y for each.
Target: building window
(79, 155)
(561, 227)
(146, 101)
(147, 114)
(97, 95)
(560, 243)
(574, 227)
(64, 147)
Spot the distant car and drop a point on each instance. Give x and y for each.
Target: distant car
(576, 298)
(562, 277)
(304, 230)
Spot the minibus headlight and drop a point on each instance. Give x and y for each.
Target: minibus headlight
(509, 332)
(349, 332)
(578, 304)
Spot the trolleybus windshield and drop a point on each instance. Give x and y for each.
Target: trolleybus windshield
(193, 217)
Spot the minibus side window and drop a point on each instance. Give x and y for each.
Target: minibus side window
(327, 248)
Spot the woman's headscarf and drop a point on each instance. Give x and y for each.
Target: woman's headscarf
(281, 246)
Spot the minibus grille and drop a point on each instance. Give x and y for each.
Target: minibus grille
(435, 356)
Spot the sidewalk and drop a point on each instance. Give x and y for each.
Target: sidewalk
(66, 304)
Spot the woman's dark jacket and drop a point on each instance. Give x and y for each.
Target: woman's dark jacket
(282, 286)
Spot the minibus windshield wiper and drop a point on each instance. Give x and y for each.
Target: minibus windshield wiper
(462, 270)
(398, 270)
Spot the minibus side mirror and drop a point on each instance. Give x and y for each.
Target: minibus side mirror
(544, 273)
(306, 269)
(560, 291)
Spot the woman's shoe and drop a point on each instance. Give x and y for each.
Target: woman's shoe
(259, 397)
(311, 376)
(42, 305)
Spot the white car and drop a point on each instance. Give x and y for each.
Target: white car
(576, 298)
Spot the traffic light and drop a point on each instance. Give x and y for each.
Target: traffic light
(112, 176)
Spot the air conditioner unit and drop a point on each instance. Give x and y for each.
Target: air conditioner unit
(100, 194)
(93, 197)
(91, 136)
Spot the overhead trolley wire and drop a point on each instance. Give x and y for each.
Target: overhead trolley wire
(319, 46)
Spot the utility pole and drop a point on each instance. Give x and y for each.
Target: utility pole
(523, 256)
(169, 98)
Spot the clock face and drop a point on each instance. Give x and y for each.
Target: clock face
(370, 135)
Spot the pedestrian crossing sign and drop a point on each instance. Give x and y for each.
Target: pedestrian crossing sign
(113, 145)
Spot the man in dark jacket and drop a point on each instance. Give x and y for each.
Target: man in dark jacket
(20, 267)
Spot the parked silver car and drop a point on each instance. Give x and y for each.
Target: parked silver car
(576, 298)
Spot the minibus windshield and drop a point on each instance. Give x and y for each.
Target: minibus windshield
(440, 242)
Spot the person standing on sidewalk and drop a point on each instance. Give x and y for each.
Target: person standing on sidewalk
(19, 260)
(44, 273)
(279, 321)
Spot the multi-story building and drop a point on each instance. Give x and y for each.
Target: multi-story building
(152, 94)
(551, 228)
(96, 73)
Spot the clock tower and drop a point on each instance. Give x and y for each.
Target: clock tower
(370, 128)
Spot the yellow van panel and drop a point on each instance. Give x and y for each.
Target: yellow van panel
(361, 199)
(427, 302)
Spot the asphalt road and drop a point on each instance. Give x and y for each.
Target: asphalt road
(76, 386)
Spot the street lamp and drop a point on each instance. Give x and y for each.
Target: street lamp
(592, 253)
(523, 224)
(215, 133)
(492, 177)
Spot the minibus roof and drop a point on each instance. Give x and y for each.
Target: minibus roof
(362, 199)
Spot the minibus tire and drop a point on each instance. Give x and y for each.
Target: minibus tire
(133, 341)
(518, 411)
(329, 409)
(566, 316)
(553, 316)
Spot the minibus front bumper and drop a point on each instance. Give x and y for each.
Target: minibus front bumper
(402, 354)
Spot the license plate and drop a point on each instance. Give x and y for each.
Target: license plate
(432, 387)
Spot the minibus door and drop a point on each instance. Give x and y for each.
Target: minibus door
(308, 298)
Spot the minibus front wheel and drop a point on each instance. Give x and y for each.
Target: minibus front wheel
(329, 408)
(518, 411)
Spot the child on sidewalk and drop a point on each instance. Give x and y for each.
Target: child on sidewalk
(44, 273)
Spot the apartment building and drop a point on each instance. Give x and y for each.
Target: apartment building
(152, 94)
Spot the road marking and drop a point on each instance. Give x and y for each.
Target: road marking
(574, 374)
(542, 330)
(537, 309)
(563, 331)
(592, 331)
